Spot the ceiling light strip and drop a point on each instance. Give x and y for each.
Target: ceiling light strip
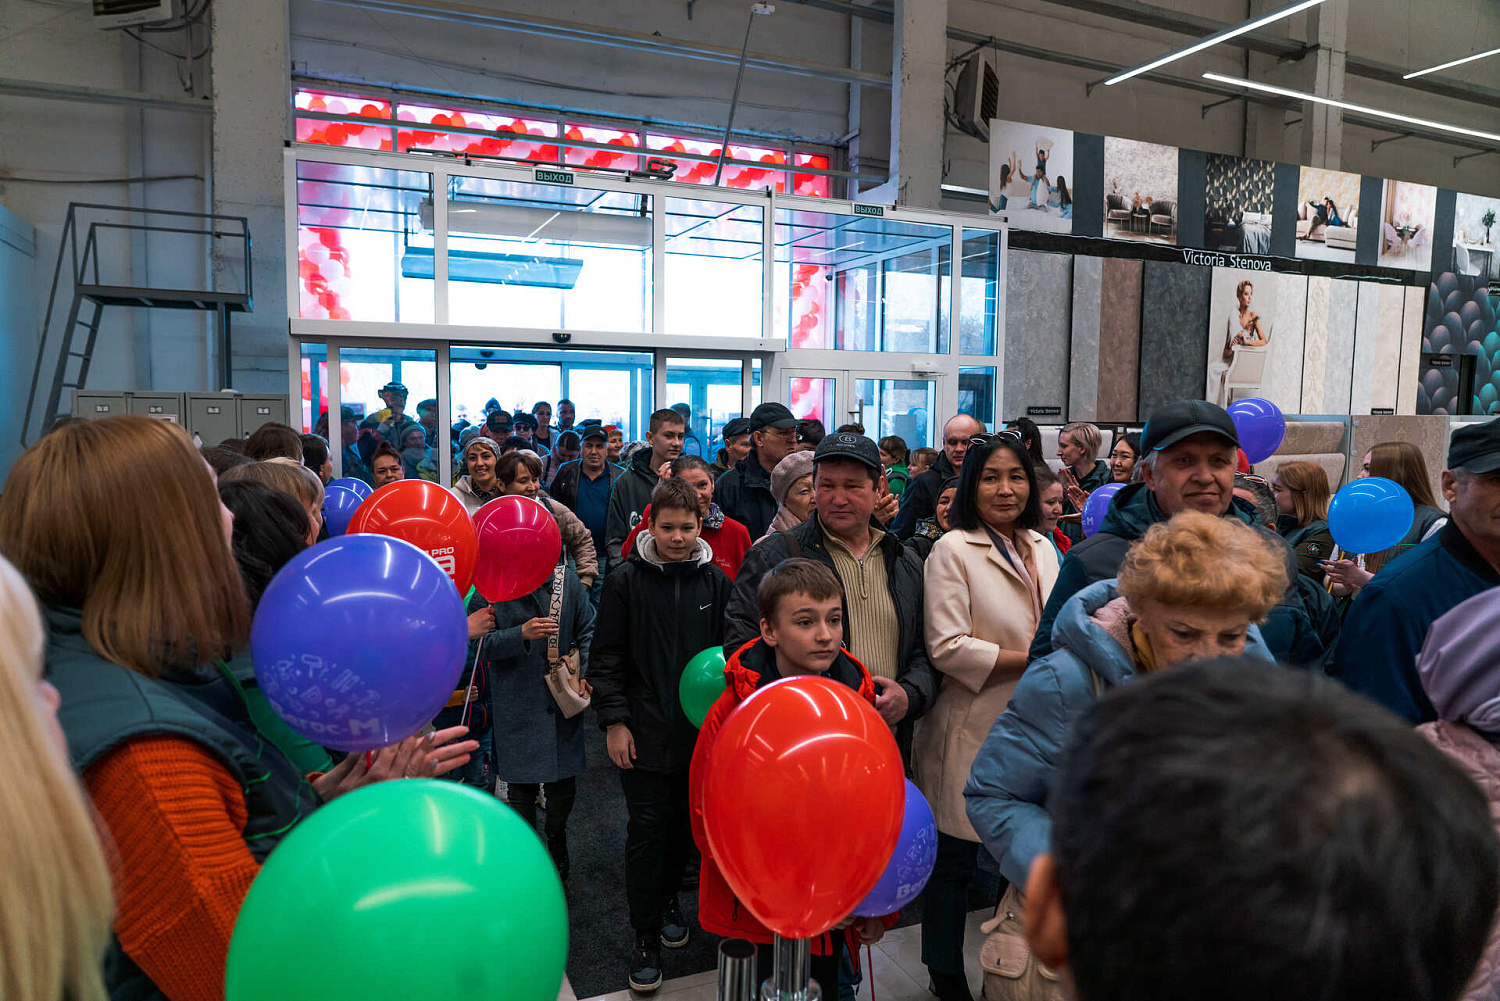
(1348, 106)
(1449, 65)
(1212, 40)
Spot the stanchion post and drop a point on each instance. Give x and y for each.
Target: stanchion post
(791, 972)
(736, 970)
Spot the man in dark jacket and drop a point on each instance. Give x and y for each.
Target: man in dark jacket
(744, 493)
(632, 490)
(1388, 623)
(1189, 450)
(584, 487)
(919, 500)
(663, 606)
(882, 580)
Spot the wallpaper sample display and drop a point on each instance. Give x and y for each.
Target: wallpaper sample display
(1327, 214)
(1119, 339)
(1407, 212)
(1083, 381)
(1038, 330)
(1255, 334)
(1174, 353)
(1377, 347)
(1461, 319)
(1411, 349)
(1476, 243)
(1140, 191)
(1315, 344)
(1237, 204)
(1329, 394)
(1031, 172)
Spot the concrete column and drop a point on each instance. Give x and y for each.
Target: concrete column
(919, 56)
(1322, 126)
(251, 68)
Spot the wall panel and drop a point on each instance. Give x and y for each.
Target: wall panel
(1174, 350)
(1119, 339)
(1038, 330)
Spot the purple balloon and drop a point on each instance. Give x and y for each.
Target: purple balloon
(354, 483)
(911, 863)
(1260, 426)
(1095, 507)
(359, 641)
(339, 505)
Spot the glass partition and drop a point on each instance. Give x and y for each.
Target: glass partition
(976, 393)
(711, 389)
(887, 278)
(313, 412)
(354, 225)
(978, 290)
(901, 407)
(410, 422)
(544, 255)
(613, 387)
(715, 268)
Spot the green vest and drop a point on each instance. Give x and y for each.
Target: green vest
(104, 705)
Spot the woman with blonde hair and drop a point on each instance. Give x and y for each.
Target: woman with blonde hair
(1082, 470)
(290, 478)
(55, 903)
(1402, 462)
(1302, 496)
(1191, 589)
(118, 528)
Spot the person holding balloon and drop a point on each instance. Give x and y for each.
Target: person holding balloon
(131, 560)
(1302, 496)
(1402, 463)
(661, 608)
(1082, 471)
(520, 475)
(1386, 626)
(538, 618)
(1189, 453)
(801, 606)
(987, 580)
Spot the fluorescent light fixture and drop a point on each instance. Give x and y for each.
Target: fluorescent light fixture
(1347, 106)
(523, 222)
(1456, 62)
(1212, 40)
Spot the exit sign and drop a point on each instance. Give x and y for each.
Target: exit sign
(861, 209)
(554, 177)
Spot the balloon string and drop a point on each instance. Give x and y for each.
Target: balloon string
(870, 969)
(369, 759)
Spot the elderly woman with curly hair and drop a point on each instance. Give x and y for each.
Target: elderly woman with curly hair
(1191, 589)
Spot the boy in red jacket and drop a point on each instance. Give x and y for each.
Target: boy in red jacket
(801, 627)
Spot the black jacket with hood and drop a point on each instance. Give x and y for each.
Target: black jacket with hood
(744, 494)
(653, 617)
(1299, 630)
(920, 499)
(628, 497)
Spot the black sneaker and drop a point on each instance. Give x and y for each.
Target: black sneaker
(645, 974)
(674, 928)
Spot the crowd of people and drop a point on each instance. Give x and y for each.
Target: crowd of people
(1226, 828)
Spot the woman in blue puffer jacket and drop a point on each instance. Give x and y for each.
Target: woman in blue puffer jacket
(1191, 589)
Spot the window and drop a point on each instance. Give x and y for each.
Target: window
(402, 126)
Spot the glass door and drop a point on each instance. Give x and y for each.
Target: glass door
(814, 394)
(885, 403)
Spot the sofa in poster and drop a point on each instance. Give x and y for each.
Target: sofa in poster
(1327, 215)
(1140, 191)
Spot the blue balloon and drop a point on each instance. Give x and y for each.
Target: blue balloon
(359, 641)
(1260, 425)
(339, 505)
(911, 863)
(354, 483)
(1097, 504)
(1370, 515)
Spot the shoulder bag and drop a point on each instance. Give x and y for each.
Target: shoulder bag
(564, 675)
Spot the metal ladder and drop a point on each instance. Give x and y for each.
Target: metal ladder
(66, 367)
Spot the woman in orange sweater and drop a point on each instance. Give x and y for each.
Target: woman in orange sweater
(118, 529)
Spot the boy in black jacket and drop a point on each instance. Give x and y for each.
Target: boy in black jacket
(664, 605)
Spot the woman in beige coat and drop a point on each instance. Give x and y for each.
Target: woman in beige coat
(986, 582)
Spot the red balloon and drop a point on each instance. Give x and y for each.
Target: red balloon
(795, 753)
(519, 545)
(427, 516)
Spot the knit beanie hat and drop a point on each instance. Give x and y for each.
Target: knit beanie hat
(1460, 664)
(481, 441)
(788, 471)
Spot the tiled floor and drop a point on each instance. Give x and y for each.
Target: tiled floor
(899, 973)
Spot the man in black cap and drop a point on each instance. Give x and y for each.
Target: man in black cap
(882, 579)
(497, 425)
(584, 486)
(1387, 625)
(744, 493)
(736, 436)
(353, 463)
(1189, 452)
(393, 421)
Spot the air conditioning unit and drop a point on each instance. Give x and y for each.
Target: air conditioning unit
(976, 99)
(128, 13)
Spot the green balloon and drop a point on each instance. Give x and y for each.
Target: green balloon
(702, 683)
(415, 888)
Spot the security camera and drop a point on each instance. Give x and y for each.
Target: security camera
(561, 337)
(486, 353)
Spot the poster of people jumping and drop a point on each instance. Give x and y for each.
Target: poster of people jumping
(1031, 176)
